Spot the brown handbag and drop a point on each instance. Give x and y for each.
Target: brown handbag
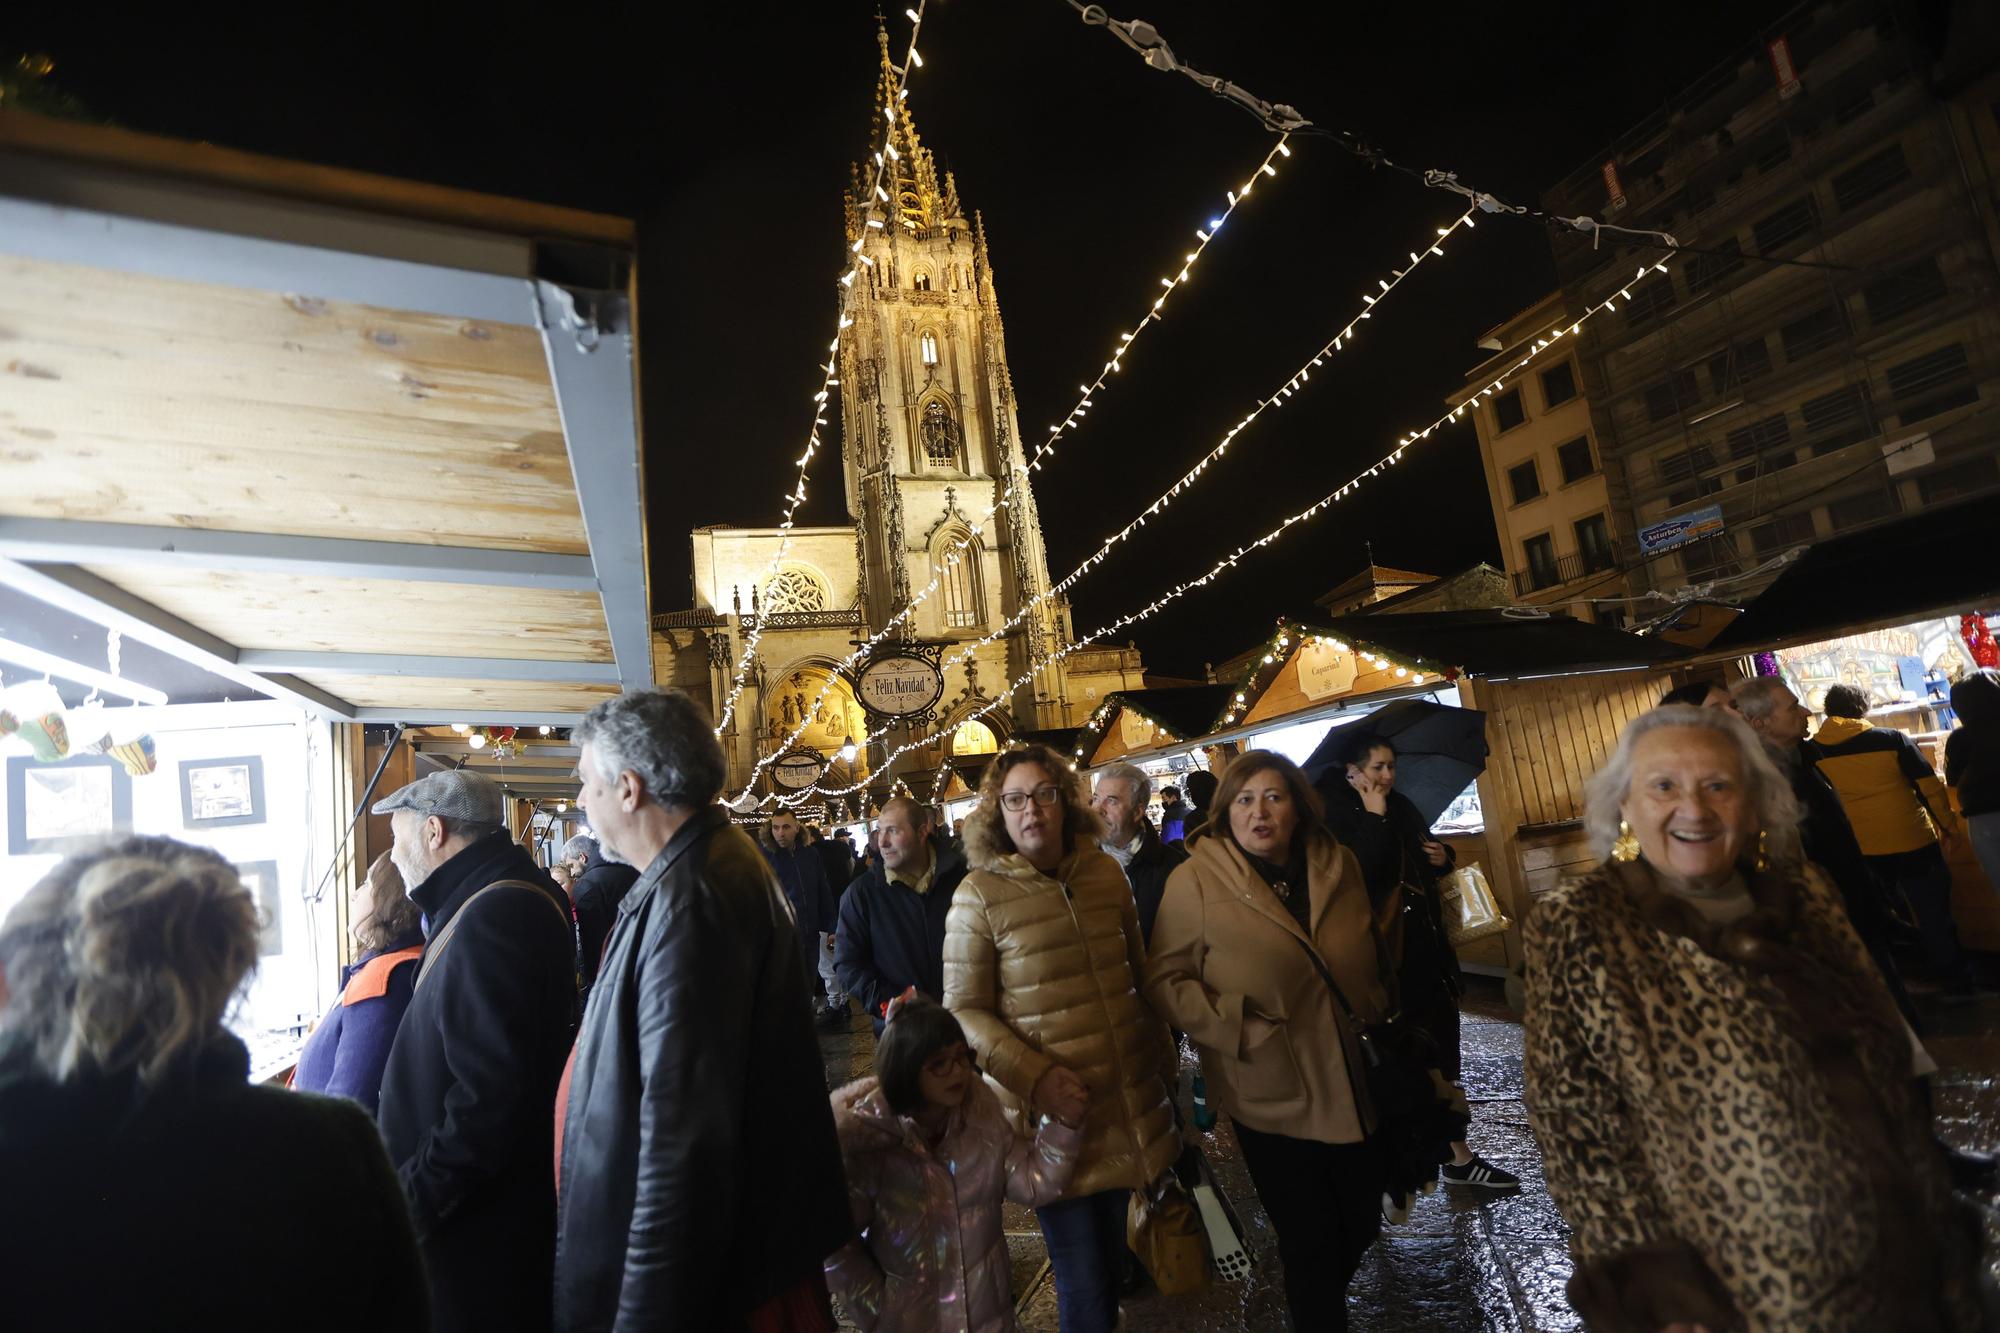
(1164, 1228)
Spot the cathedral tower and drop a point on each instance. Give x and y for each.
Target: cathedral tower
(930, 439)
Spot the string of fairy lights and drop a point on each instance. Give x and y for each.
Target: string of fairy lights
(1222, 566)
(1285, 122)
(1293, 385)
(975, 528)
(871, 220)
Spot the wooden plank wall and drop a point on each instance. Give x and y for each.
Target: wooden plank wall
(1546, 738)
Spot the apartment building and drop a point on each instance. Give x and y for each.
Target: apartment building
(1831, 356)
(1551, 504)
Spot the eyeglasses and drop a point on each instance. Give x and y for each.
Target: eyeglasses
(1046, 794)
(944, 1062)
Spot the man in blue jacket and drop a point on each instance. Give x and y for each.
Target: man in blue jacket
(892, 917)
(803, 878)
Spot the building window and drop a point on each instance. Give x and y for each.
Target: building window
(922, 282)
(1593, 544)
(1541, 554)
(1870, 176)
(1704, 271)
(929, 344)
(1937, 381)
(1507, 410)
(1559, 384)
(1525, 482)
(1666, 399)
(1867, 507)
(1815, 332)
(1575, 460)
(1687, 463)
(1838, 419)
(1781, 534)
(1649, 301)
(1907, 288)
(1851, 109)
(958, 573)
(1760, 437)
(1959, 480)
(793, 588)
(1738, 365)
(940, 434)
(1712, 556)
(1787, 224)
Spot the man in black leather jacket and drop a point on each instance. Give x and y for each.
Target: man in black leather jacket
(699, 1177)
(471, 1078)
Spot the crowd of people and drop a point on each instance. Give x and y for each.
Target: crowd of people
(594, 1099)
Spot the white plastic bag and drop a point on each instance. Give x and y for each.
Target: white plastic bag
(1471, 911)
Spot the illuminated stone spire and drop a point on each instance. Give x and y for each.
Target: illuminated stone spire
(918, 202)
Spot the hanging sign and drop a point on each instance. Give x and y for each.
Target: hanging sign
(899, 684)
(796, 770)
(1782, 68)
(1325, 671)
(1614, 192)
(1681, 529)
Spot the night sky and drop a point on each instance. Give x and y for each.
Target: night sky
(728, 136)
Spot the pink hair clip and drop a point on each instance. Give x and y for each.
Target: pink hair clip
(896, 1005)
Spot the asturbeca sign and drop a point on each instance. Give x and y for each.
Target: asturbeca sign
(899, 685)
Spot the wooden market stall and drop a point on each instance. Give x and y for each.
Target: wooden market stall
(365, 449)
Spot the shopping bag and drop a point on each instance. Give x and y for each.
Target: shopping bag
(1471, 911)
(1164, 1228)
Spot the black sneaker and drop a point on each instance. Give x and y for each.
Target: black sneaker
(1480, 1174)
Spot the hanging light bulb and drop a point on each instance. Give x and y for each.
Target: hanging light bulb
(477, 740)
(562, 807)
(546, 728)
(460, 728)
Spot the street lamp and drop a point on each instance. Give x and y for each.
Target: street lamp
(848, 749)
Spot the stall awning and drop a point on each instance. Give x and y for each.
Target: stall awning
(367, 446)
(1929, 564)
(1508, 644)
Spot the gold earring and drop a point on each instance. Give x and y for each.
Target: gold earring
(1763, 850)
(1626, 848)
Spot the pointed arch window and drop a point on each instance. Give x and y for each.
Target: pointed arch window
(939, 432)
(955, 560)
(922, 282)
(929, 345)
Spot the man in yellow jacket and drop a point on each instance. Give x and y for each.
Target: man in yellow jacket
(1898, 809)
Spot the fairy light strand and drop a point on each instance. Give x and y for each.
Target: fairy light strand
(1276, 398)
(1266, 169)
(1154, 314)
(830, 372)
(1221, 567)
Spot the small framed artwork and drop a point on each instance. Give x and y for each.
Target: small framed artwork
(59, 807)
(261, 878)
(218, 793)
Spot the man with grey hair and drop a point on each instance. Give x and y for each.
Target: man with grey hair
(602, 881)
(1768, 705)
(1120, 798)
(471, 1076)
(699, 1182)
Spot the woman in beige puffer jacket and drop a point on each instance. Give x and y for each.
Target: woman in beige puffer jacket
(1043, 963)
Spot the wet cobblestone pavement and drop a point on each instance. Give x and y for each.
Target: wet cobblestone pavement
(1466, 1259)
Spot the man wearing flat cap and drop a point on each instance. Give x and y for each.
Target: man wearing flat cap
(471, 1082)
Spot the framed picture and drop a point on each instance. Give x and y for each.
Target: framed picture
(261, 878)
(57, 807)
(217, 793)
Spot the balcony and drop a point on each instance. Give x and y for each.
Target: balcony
(696, 619)
(1566, 569)
(776, 620)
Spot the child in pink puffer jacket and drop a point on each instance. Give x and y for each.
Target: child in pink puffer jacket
(930, 1155)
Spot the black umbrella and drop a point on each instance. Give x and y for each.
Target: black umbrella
(1439, 751)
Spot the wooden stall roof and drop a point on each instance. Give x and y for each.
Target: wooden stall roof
(1132, 722)
(1509, 643)
(1929, 564)
(367, 445)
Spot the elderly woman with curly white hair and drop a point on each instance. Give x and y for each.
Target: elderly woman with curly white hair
(1720, 1083)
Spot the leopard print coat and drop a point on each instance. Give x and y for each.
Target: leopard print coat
(1728, 1119)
